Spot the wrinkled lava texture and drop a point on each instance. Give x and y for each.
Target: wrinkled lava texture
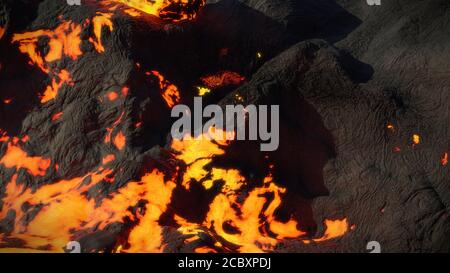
(86, 153)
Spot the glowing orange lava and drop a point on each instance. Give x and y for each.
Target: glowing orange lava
(112, 96)
(2, 32)
(444, 159)
(64, 41)
(58, 81)
(99, 22)
(173, 10)
(17, 158)
(416, 139)
(120, 141)
(222, 78)
(169, 91)
(109, 158)
(334, 229)
(65, 208)
(3, 136)
(226, 208)
(57, 116)
(110, 130)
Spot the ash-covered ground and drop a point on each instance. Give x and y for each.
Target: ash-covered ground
(365, 108)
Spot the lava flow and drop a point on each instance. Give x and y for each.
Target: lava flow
(64, 42)
(66, 208)
(169, 92)
(222, 78)
(173, 10)
(2, 32)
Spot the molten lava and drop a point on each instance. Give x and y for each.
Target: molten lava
(203, 91)
(173, 10)
(416, 139)
(3, 136)
(17, 158)
(222, 78)
(58, 81)
(99, 22)
(110, 130)
(334, 229)
(444, 159)
(2, 32)
(169, 91)
(63, 209)
(57, 116)
(120, 141)
(228, 209)
(64, 41)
